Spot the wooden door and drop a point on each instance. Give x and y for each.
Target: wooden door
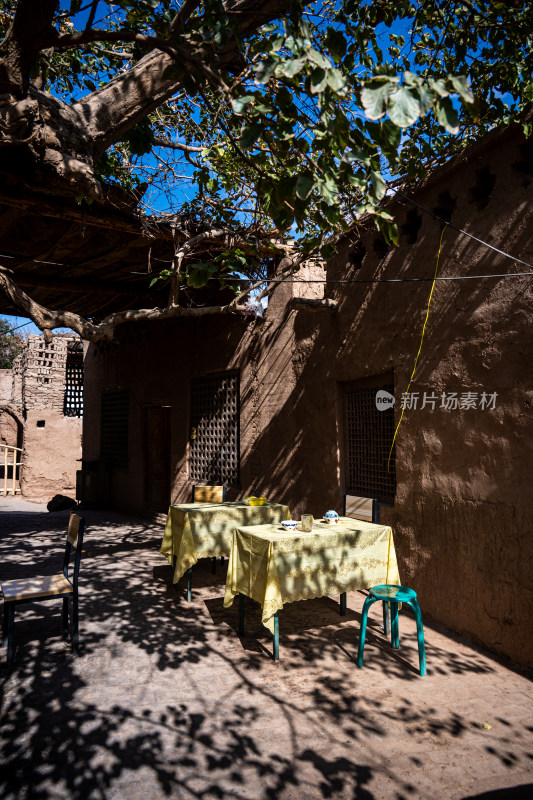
(157, 457)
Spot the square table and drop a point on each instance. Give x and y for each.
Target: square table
(273, 566)
(205, 530)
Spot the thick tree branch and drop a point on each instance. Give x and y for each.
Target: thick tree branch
(115, 108)
(90, 18)
(187, 8)
(31, 29)
(46, 320)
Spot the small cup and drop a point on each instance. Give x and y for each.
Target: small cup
(307, 523)
(289, 524)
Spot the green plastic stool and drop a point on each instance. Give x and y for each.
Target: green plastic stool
(393, 595)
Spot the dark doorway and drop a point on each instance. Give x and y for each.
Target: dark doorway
(157, 458)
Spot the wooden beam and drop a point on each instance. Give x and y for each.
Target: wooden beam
(92, 217)
(33, 279)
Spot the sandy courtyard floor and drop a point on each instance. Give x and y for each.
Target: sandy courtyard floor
(166, 701)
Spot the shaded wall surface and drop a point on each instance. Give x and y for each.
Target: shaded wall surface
(462, 510)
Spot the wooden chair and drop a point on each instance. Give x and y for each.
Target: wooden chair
(29, 590)
(365, 509)
(208, 494)
(205, 494)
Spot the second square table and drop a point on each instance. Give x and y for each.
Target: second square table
(273, 566)
(205, 530)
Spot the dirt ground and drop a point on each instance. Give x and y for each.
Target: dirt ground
(166, 701)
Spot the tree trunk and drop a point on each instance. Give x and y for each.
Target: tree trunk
(55, 144)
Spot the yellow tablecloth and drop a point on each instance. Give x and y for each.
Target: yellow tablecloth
(274, 567)
(204, 530)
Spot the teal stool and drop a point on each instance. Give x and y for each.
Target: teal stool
(393, 595)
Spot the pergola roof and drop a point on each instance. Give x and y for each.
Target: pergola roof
(91, 259)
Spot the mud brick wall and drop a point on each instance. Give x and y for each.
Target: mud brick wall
(52, 441)
(462, 512)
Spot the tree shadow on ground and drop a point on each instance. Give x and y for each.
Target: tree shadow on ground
(165, 700)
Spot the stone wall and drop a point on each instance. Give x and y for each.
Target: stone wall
(463, 509)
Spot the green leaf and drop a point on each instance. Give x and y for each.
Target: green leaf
(459, 83)
(285, 188)
(336, 80)
(439, 87)
(357, 155)
(447, 115)
(140, 138)
(388, 229)
(318, 80)
(240, 103)
(391, 136)
(411, 79)
(250, 135)
(318, 59)
(335, 43)
(357, 180)
(197, 277)
(283, 98)
(290, 68)
(304, 185)
(374, 97)
(265, 69)
(404, 107)
(378, 185)
(427, 98)
(328, 189)
(331, 213)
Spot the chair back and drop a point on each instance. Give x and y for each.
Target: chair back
(208, 494)
(363, 508)
(76, 527)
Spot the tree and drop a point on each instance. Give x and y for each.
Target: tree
(262, 129)
(11, 344)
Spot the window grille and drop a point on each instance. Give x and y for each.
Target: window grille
(114, 429)
(215, 448)
(73, 401)
(368, 438)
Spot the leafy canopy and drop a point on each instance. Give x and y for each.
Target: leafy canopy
(11, 344)
(323, 109)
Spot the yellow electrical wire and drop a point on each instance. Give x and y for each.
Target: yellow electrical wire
(420, 348)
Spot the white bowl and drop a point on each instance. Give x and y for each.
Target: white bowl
(289, 524)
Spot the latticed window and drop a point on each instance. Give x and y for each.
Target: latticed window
(114, 429)
(73, 402)
(368, 438)
(214, 451)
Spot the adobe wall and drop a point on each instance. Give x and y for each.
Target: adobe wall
(463, 508)
(52, 441)
(6, 381)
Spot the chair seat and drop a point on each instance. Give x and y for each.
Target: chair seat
(27, 588)
(392, 594)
